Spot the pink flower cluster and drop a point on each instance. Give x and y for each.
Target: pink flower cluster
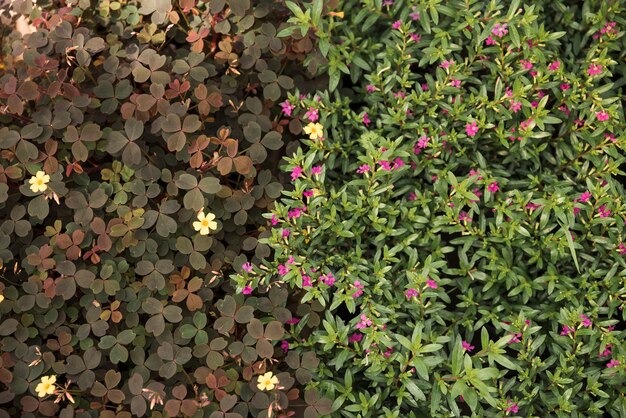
(359, 289)
(364, 322)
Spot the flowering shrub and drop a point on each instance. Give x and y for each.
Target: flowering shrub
(139, 143)
(457, 211)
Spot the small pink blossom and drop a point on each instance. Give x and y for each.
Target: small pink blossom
(463, 216)
(471, 128)
(602, 116)
(567, 330)
(247, 267)
(584, 198)
(312, 114)
(512, 407)
(411, 293)
(284, 345)
(585, 321)
(247, 290)
(555, 65)
(455, 83)
(446, 64)
(613, 363)
(396, 25)
(622, 248)
(414, 15)
(306, 281)
(515, 106)
(493, 187)
(499, 30)
(386, 165)
(412, 196)
(296, 172)
(364, 168)
(490, 40)
(606, 352)
(291, 260)
(307, 193)
(364, 322)
(476, 173)
(292, 321)
(287, 108)
(532, 206)
(316, 169)
(370, 88)
(285, 233)
(610, 137)
(565, 86)
(399, 95)
(526, 64)
(359, 289)
(415, 37)
(274, 220)
(604, 212)
(397, 163)
(328, 279)
(282, 269)
(355, 338)
(594, 69)
(424, 87)
(469, 348)
(366, 119)
(431, 283)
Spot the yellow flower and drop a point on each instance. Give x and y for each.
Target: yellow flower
(205, 223)
(267, 381)
(39, 182)
(1, 298)
(314, 130)
(46, 387)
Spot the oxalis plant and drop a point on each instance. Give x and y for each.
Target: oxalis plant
(139, 142)
(456, 213)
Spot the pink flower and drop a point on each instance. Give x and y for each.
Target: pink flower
(424, 87)
(532, 206)
(565, 86)
(422, 142)
(364, 168)
(555, 65)
(285, 233)
(584, 198)
(515, 337)
(411, 293)
(274, 220)
(415, 37)
(412, 196)
(247, 290)
(526, 64)
(469, 348)
(364, 322)
(431, 283)
(370, 88)
(613, 363)
(463, 216)
(359, 289)
(287, 108)
(312, 114)
(515, 106)
(247, 267)
(594, 69)
(397, 163)
(512, 407)
(295, 213)
(493, 187)
(606, 352)
(610, 137)
(585, 321)
(386, 165)
(396, 25)
(291, 260)
(446, 64)
(604, 212)
(602, 116)
(284, 345)
(292, 321)
(622, 249)
(328, 279)
(415, 15)
(355, 338)
(499, 29)
(282, 269)
(306, 281)
(317, 169)
(307, 193)
(471, 128)
(490, 41)
(567, 330)
(455, 83)
(473, 172)
(296, 172)
(366, 119)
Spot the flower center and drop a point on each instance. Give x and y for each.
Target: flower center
(39, 182)
(205, 223)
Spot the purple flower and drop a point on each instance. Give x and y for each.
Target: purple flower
(410, 293)
(296, 172)
(287, 107)
(612, 363)
(469, 348)
(247, 290)
(364, 168)
(396, 25)
(247, 267)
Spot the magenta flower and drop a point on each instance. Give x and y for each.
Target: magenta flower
(604, 212)
(296, 172)
(463, 216)
(469, 348)
(613, 363)
(555, 65)
(364, 322)
(397, 163)
(396, 25)
(512, 407)
(493, 187)
(247, 267)
(306, 281)
(567, 330)
(282, 269)
(328, 279)
(455, 83)
(584, 198)
(355, 338)
(431, 283)
(317, 169)
(473, 172)
(565, 86)
(415, 37)
(285, 233)
(364, 168)
(359, 289)
(594, 69)
(610, 137)
(292, 321)
(622, 249)
(386, 165)
(366, 119)
(411, 293)
(471, 129)
(312, 114)
(284, 345)
(515, 106)
(526, 64)
(247, 290)
(585, 321)
(415, 15)
(490, 40)
(602, 116)
(274, 220)
(499, 30)
(515, 337)
(287, 108)
(446, 64)
(370, 88)
(606, 352)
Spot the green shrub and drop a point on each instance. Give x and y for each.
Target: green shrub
(462, 220)
(139, 143)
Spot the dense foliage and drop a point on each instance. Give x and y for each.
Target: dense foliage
(461, 218)
(139, 145)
